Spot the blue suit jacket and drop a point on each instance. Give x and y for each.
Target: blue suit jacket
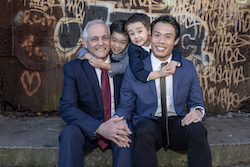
(81, 101)
(139, 100)
(137, 54)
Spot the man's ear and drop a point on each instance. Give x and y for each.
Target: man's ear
(85, 44)
(176, 41)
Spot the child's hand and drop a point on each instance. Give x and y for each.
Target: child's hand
(93, 61)
(168, 69)
(165, 71)
(88, 56)
(97, 63)
(173, 65)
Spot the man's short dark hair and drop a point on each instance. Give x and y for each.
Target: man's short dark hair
(138, 17)
(167, 19)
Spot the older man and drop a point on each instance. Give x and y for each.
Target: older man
(158, 108)
(88, 101)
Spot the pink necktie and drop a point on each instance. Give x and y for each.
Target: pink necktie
(106, 100)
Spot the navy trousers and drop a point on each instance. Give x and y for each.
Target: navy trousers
(73, 144)
(149, 136)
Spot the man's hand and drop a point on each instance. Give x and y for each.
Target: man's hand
(192, 116)
(116, 130)
(119, 138)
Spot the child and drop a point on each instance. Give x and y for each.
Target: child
(119, 51)
(138, 29)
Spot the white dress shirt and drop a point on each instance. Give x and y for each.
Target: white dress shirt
(147, 48)
(98, 73)
(156, 66)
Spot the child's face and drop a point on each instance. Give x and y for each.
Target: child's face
(119, 42)
(138, 33)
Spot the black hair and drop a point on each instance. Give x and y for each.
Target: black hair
(118, 26)
(168, 19)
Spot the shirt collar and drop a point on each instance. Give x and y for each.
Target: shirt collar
(108, 61)
(156, 63)
(147, 48)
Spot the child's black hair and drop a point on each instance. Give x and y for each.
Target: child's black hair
(118, 26)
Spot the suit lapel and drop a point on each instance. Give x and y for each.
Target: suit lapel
(176, 77)
(91, 74)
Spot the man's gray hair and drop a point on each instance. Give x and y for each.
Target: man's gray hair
(85, 31)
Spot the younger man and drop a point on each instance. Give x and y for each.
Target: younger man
(138, 29)
(153, 105)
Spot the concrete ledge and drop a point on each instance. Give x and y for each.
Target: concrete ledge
(33, 142)
(231, 154)
(223, 155)
(28, 157)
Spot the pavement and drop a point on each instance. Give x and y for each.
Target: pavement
(33, 141)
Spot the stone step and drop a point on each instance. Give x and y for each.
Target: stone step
(33, 141)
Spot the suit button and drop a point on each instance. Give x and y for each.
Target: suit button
(151, 114)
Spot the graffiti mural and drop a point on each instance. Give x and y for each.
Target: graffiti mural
(215, 36)
(222, 72)
(28, 80)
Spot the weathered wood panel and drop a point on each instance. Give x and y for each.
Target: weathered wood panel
(39, 37)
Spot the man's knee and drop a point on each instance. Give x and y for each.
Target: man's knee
(71, 133)
(197, 131)
(145, 134)
(142, 132)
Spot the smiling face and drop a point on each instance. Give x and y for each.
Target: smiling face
(119, 42)
(98, 41)
(163, 40)
(138, 33)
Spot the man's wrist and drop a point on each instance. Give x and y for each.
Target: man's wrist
(200, 109)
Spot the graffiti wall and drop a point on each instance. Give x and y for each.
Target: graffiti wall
(42, 35)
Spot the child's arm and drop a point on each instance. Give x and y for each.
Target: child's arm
(136, 54)
(169, 69)
(176, 60)
(176, 55)
(164, 71)
(83, 53)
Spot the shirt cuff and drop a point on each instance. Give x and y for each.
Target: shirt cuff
(201, 109)
(95, 136)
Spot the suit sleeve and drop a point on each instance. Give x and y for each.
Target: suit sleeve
(82, 52)
(127, 97)
(136, 55)
(195, 98)
(69, 109)
(176, 55)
